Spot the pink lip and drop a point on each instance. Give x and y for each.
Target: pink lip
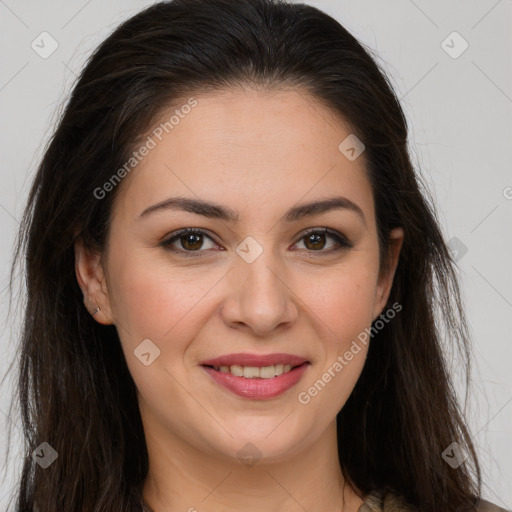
(258, 389)
(255, 360)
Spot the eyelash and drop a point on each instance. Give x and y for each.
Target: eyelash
(342, 241)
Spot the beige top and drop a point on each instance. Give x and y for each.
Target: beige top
(378, 502)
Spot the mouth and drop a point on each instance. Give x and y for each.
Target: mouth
(257, 378)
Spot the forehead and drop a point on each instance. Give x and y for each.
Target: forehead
(246, 149)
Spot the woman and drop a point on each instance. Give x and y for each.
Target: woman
(232, 278)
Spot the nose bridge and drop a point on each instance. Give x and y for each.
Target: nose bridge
(261, 268)
(262, 296)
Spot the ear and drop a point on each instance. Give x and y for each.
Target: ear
(91, 279)
(396, 238)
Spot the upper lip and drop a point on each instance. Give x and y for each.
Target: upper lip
(257, 360)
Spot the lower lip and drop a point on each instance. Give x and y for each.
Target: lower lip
(258, 389)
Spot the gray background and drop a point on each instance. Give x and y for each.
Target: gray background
(459, 111)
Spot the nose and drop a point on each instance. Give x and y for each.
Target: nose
(260, 297)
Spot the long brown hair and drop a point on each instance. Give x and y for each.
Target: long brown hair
(75, 390)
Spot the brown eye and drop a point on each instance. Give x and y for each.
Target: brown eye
(187, 241)
(191, 241)
(315, 240)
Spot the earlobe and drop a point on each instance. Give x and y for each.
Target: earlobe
(91, 279)
(396, 238)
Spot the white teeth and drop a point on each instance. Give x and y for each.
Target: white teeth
(237, 370)
(267, 372)
(254, 372)
(250, 372)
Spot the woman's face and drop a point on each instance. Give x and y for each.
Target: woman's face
(248, 284)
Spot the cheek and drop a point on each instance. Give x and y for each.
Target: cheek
(149, 304)
(150, 300)
(344, 305)
(153, 301)
(345, 311)
(343, 300)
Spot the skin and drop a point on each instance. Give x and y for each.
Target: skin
(258, 153)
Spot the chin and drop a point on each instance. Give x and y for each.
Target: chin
(261, 440)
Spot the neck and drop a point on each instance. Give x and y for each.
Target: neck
(182, 478)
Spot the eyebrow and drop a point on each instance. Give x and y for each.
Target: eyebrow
(216, 211)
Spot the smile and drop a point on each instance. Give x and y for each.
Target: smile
(257, 383)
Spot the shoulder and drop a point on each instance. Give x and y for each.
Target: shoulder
(487, 506)
(379, 501)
